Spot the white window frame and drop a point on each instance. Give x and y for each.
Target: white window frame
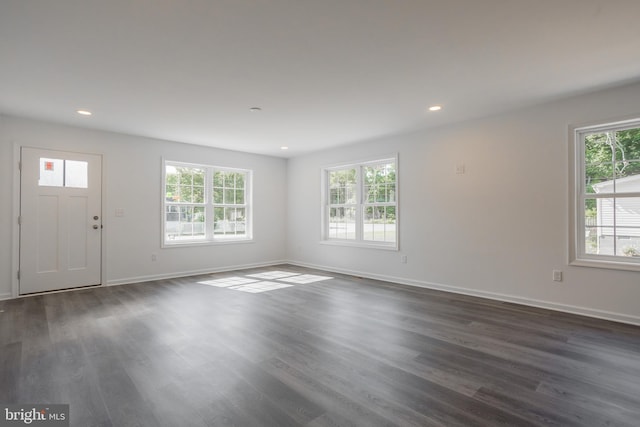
(360, 205)
(210, 237)
(578, 195)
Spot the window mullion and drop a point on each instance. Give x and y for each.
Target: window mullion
(208, 200)
(614, 147)
(359, 204)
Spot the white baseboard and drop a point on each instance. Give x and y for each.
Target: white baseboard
(565, 308)
(6, 295)
(174, 275)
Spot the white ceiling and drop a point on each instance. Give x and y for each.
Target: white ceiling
(325, 72)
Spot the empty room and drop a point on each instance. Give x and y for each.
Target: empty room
(319, 213)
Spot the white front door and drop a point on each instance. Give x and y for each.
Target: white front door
(60, 220)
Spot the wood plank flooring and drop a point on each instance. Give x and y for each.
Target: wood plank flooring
(340, 352)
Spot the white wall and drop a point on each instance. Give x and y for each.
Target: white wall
(132, 178)
(498, 230)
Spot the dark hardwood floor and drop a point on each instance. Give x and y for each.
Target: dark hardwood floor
(339, 352)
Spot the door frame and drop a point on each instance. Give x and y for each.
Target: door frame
(15, 261)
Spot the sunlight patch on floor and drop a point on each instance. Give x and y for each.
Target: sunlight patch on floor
(251, 283)
(305, 278)
(273, 275)
(228, 281)
(260, 287)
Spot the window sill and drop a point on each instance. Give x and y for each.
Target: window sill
(192, 243)
(384, 247)
(608, 264)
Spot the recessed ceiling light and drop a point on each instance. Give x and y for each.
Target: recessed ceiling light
(435, 108)
(255, 109)
(284, 147)
(84, 112)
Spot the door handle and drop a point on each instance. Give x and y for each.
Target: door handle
(95, 226)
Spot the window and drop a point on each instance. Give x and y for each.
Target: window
(360, 204)
(606, 214)
(204, 204)
(63, 173)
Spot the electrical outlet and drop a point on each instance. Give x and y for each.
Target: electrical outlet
(557, 276)
(154, 257)
(403, 259)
